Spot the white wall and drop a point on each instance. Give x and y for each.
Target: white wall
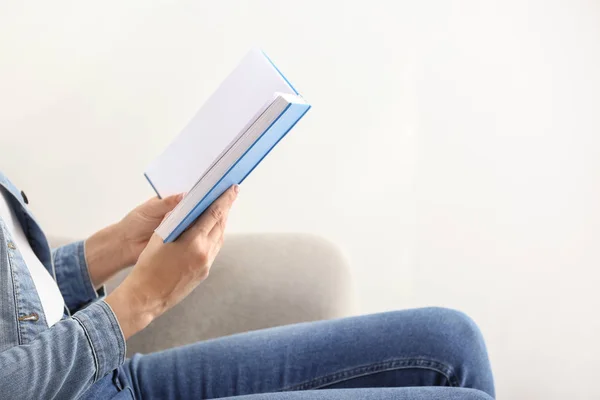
(453, 147)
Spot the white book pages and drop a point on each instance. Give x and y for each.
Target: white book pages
(217, 125)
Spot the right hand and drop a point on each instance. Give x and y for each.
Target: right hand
(166, 273)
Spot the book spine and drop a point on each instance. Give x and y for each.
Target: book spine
(245, 164)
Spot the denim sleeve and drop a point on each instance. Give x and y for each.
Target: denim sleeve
(73, 278)
(66, 359)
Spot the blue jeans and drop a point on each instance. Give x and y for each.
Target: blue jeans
(430, 353)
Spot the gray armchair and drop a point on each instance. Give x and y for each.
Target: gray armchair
(257, 281)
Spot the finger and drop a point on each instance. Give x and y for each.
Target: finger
(218, 215)
(166, 216)
(217, 231)
(157, 208)
(218, 210)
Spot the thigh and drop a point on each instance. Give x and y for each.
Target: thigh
(423, 347)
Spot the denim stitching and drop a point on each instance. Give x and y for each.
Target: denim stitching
(89, 338)
(11, 263)
(16, 296)
(82, 283)
(366, 370)
(84, 270)
(118, 332)
(79, 272)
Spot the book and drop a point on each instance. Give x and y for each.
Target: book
(240, 123)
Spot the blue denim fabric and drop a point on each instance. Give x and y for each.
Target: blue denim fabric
(430, 353)
(73, 278)
(65, 360)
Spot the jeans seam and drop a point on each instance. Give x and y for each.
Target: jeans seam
(365, 370)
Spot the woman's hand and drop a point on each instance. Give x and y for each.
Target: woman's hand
(119, 246)
(167, 273)
(138, 226)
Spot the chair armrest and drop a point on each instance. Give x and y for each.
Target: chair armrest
(257, 281)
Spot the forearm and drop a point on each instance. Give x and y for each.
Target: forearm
(106, 254)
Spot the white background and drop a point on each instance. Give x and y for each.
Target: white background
(453, 148)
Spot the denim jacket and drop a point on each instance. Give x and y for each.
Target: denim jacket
(37, 362)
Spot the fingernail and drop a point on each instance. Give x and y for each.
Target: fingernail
(236, 189)
(180, 196)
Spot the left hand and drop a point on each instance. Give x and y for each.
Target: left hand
(119, 245)
(138, 226)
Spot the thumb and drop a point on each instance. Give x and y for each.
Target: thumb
(157, 208)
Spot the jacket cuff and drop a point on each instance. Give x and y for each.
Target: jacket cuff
(73, 277)
(104, 335)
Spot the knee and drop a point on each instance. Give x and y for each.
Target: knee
(443, 327)
(465, 345)
(452, 338)
(457, 327)
(455, 331)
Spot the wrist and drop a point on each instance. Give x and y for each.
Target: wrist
(127, 255)
(106, 254)
(134, 305)
(131, 312)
